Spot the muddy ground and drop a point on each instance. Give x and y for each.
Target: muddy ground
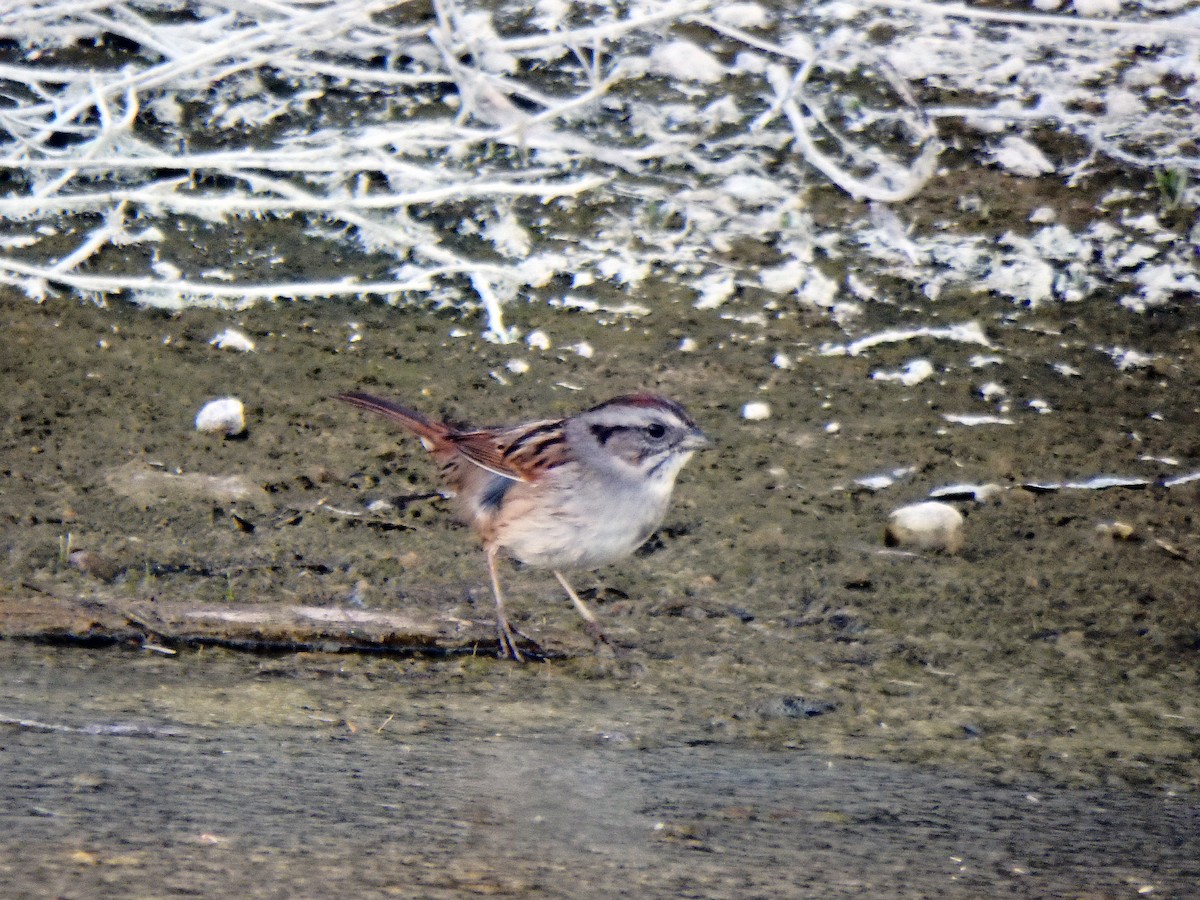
(764, 629)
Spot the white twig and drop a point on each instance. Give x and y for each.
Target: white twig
(431, 147)
(1170, 27)
(230, 203)
(15, 272)
(112, 231)
(491, 304)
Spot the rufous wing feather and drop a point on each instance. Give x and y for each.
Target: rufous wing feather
(519, 453)
(522, 453)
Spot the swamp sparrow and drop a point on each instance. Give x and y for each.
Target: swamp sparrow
(571, 493)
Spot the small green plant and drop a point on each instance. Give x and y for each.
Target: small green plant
(229, 598)
(1172, 185)
(64, 552)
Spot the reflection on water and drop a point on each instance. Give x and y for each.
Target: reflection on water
(432, 800)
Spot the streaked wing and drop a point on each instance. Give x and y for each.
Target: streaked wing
(523, 453)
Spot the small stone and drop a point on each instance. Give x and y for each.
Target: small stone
(980, 493)
(1097, 7)
(925, 526)
(86, 782)
(1118, 531)
(914, 372)
(993, 392)
(756, 411)
(225, 416)
(231, 339)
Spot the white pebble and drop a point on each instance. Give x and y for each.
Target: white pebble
(992, 391)
(782, 361)
(584, 349)
(225, 416)
(875, 482)
(980, 493)
(914, 372)
(232, 339)
(538, 340)
(1020, 156)
(1097, 7)
(517, 366)
(1118, 531)
(687, 345)
(686, 61)
(926, 526)
(756, 411)
(833, 427)
(981, 361)
(742, 15)
(981, 419)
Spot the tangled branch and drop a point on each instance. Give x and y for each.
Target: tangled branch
(448, 154)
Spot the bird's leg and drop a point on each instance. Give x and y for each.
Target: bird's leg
(593, 623)
(508, 644)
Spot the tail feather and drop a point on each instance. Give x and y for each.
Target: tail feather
(436, 432)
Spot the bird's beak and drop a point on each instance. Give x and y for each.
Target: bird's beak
(695, 440)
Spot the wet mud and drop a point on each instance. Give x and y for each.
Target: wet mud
(789, 701)
(214, 774)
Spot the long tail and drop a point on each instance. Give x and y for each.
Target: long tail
(435, 432)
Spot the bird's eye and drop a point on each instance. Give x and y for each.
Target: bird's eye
(656, 430)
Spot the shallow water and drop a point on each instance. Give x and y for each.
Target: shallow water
(217, 774)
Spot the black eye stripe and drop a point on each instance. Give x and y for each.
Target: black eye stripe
(603, 432)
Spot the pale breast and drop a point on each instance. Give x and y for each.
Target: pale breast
(566, 524)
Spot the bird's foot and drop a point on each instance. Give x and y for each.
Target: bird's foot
(507, 639)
